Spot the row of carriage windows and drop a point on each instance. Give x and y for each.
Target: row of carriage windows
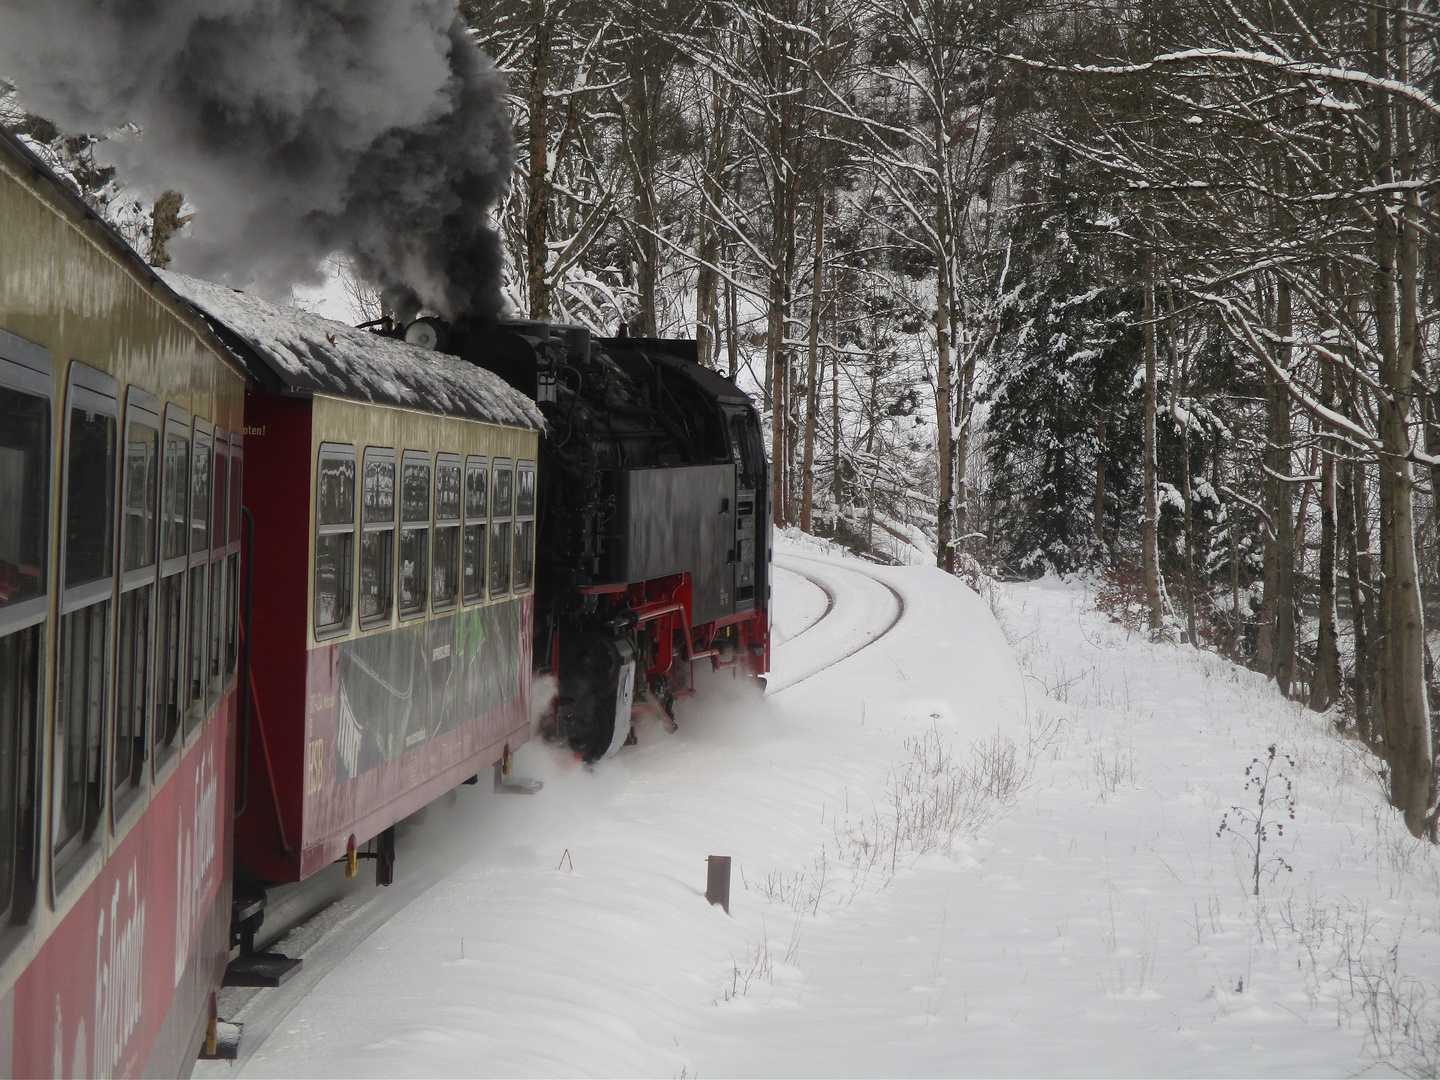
(466, 531)
(146, 618)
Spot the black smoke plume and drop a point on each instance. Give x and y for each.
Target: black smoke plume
(297, 129)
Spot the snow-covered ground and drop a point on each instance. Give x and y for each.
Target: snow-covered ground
(953, 855)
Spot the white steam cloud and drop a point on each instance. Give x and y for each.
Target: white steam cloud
(295, 128)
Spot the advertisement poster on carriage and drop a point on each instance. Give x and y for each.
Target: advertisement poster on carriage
(390, 715)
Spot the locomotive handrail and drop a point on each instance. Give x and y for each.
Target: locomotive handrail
(285, 847)
(252, 698)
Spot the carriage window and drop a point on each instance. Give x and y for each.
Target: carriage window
(25, 496)
(414, 532)
(139, 501)
(502, 505)
(445, 566)
(377, 538)
(142, 491)
(89, 496)
(477, 509)
(200, 496)
(80, 722)
(524, 525)
(20, 666)
(177, 483)
(170, 601)
(334, 538)
(83, 655)
(197, 579)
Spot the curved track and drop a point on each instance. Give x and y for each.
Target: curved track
(867, 608)
(802, 614)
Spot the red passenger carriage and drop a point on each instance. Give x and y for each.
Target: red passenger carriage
(120, 472)
(394, 600)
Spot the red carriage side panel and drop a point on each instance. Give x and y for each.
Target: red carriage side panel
(121, 988)
(277, 493)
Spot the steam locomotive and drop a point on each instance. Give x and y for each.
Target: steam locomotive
(209, 686)
(651, 545)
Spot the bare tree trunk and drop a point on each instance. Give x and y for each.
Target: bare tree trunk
(1275, 654)
(945, 552)
(1368, 635)
(1237, 627)
(732, 329)
(641, 137)
(537, 182)
(1189, 534)
(707, 281)
(944, 271)
(964, 411)
(1100, 479)
(1325, 686)
(1152, 509)
(812, 378)
(1403, 703)
(778, 376)
(1280, 451)
(835, 432)
(1178, 382)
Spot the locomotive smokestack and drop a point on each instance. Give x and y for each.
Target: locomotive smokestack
(297, 129)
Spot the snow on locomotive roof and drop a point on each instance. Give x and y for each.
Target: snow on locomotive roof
(311, 354)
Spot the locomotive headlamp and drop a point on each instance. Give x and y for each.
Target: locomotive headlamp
(427, 333)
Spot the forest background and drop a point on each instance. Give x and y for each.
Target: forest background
(1146, 291)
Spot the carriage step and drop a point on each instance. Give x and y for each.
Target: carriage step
(514, 785)
(260, 969)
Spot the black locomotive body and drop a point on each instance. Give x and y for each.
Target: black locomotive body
(652, 544)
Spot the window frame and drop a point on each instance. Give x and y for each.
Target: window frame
(415, 457)
(446, 460)
(197, 710)
(28, 378)
(480, 463)
(496, 466)
(235, 495)
(143, 406)
(85, 390)
(332, 451)
(524, 465)
(93, 391)
(214, 620)
(177, 421)
(378, 454)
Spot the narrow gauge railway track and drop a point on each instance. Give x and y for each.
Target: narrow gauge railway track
(823, 644)
(829, 607)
